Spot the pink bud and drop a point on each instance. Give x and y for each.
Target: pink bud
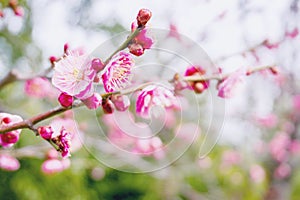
(136, 49)
(65, 100)
(107, 106)
(121, 102)
(52, 59)
(1, 13)
(97, 64)
(93, 102)
(46, 132)
(66, 47)
(143, 17)
(9, 138)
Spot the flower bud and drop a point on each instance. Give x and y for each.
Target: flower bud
(66, 47)
(65, 100)
(52, 59)
(97, 64)
(143, 17)
(93, 102)
(121, 102)
(136, 49)
(107, 106)
(46, 132)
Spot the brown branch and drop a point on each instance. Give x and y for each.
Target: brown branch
(29, 123)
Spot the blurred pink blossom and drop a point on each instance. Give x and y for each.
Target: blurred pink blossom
(268, 121)
(296, 102)
(282, 171)
(117, 75)
(9, 163)
(278, 146)
(39, 87)
(228, 86)
(74, 75)
(149, 147)
(257, 173)
(52, 166)
(231, 157)
(9, 138)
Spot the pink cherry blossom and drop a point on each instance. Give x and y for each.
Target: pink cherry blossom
(71, 127)
(228, 86)
(148, 147)
(9, 138)
(94, 101)
(279, 145)
(282, 171)
(74, 75)
(52, 166)
(39, 87)
(141, 42)
(154, 95)
(9, 163)
(257, 173)
(268, 121)
(118, 72)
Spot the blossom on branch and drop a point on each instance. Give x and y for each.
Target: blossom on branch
(118, 72)
(74, 75)
(228, 86)
(197, 86)
(154, 95)
(141, 42)
(9, 138)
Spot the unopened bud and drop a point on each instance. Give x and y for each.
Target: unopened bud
(107, 106)
(136, 49)
(97, 64)
(65, 100)
(121, 102)
(46, 132)
(143, 17)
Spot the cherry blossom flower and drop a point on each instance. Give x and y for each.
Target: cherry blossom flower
(9, 163)
(228, 86)
(279, 145)
(257, 173)
(118, 72)
(63, 141)
(149, 146)
(141, 42)
(72, 128)
(94, 101)
(74, 75)
(9, 138)
(154, 95)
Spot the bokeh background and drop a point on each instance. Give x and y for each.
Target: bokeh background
(257, 155)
